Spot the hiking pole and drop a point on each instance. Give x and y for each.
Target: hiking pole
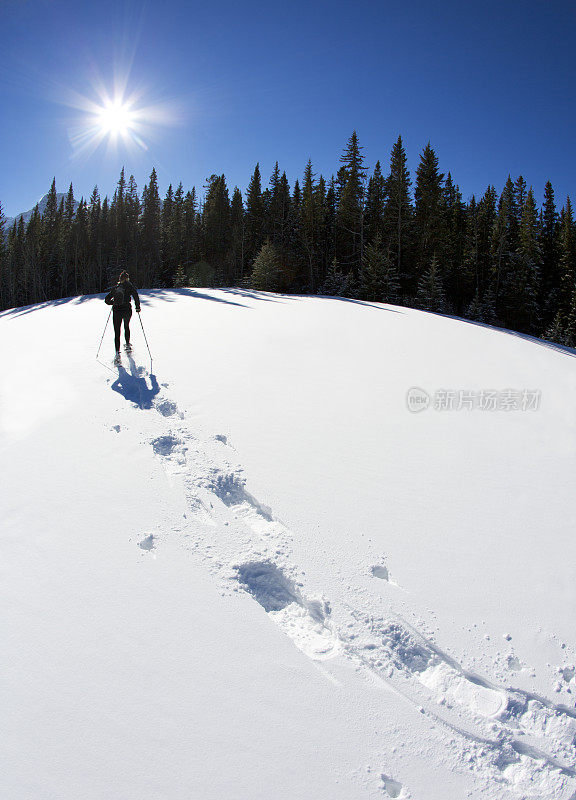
(102, 339)
(146, 340)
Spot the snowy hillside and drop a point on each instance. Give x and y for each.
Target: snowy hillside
(255, 572)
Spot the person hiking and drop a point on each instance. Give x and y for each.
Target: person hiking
(119, 298)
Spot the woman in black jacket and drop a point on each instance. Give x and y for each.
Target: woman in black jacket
(119, 299)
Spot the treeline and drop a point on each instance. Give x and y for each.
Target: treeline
(378, 237)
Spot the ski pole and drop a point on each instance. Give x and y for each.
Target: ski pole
(102, 339)
(146, 340)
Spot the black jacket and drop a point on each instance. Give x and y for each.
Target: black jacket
(119, 296)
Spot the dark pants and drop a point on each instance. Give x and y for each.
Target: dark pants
(119, 314)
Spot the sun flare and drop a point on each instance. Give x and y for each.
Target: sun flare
(116, 119)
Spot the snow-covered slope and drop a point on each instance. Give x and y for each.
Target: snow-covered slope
(253, 572)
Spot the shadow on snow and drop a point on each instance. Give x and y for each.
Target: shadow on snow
(21, 310)
(134, 387)
(170, 295)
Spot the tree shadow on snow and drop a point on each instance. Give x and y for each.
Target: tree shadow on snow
(378, 306)
(134, 387)
(170, 295)
(254, 294)
(232, 296)
(21, 310)
(560, 348)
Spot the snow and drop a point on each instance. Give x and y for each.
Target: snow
(255, 572)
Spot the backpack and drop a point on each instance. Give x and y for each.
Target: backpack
(119, 298)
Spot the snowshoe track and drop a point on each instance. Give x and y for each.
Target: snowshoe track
(526, 743)
(304, 620)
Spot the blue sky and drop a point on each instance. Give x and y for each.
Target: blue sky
(490, 84)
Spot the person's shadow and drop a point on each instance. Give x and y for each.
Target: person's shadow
(133, 386)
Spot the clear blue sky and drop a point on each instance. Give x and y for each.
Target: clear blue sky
(492, 85)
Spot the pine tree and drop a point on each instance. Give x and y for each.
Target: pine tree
(166, 214)
(254, 217)
(374, 208)
(310, 224)
(555, 331)
(150, 233)
(398, 216)
(132, 216)
(5, 272)
(550, 283)
(293, 234)
(503, 247)
(49, 266)
(80, 247)
(475, 310)
(430, 295)
(190, 233)
(520, 193)
(470, 260)
(336, 283)
(457, 287)
(522, 289)
(216, 226)
(567, 262)
(27, 250)
(180, 277)
(66, 213)
(486, 219)
(326, 200)
(350, 207)
(569, 337)
(267, 273)
(429, 212)
(118, 219)
(95, 267)
(379, 279)
(274, 211)
(14, 257)
(106, 244)
(237, 236)
(282, 234)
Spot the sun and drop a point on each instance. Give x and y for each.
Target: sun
(116, 119)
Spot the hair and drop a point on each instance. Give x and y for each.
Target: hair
(123, 276)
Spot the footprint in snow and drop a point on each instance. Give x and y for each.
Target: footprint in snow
(116, 428)
(231, 489)
(381, 571)
(513, 663)
(413, 653)
(304, 620)
(168, 409)
(147, 543)
(568, 673)
(165, 445)
(392, 788)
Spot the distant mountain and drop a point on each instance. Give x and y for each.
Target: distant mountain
(41, 206)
